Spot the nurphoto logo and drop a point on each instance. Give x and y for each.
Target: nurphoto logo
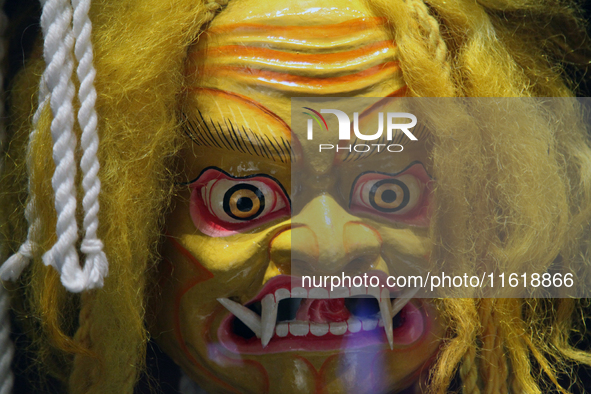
(392, 119)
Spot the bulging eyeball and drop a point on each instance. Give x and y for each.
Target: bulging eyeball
(400, 197)
(223, 205)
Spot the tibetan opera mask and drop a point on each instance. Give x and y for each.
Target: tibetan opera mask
(231, 315)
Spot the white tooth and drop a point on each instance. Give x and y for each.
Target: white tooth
(386, 313)
(374, 292)
(269, 317)
(354, 324)
(357, 291)
(401, 301)
(369, 324)
(282, 329)
(299, 292)
(248, 317)
(299, 328)
(319, 329)
(385, 294)
(339, 292)
(318, 293)
(338, 328)
(281, 294)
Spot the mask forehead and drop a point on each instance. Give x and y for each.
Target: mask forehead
(270, 52)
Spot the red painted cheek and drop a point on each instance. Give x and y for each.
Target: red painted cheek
(202, 274)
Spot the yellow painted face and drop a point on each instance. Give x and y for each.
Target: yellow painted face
(230, 316)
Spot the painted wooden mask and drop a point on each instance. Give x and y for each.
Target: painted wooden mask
(232, 317)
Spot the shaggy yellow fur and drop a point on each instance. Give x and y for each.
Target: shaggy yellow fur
(539, 181)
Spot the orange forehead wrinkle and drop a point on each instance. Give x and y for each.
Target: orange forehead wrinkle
(304, 84)
(257, 54)
(346, 58)
(301, 32)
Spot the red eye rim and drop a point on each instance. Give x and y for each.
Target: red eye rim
(210, 224)
(419, 215)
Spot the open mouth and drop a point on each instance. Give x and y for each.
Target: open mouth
(286, 317)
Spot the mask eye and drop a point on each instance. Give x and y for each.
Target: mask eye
(244, 202)
(395, 195)
(223, 205)
(389, 195)
(400, 197)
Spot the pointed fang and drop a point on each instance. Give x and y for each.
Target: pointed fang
(269, 318)
(386, 311)
(248, 317)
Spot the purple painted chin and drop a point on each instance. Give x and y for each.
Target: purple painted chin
(413, 323)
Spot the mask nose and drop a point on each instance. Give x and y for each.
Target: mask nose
(326, 240)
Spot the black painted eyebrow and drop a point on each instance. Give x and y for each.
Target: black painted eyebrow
(204, 131)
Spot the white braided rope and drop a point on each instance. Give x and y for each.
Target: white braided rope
(56, 20)
(62, 27)
(6, 346)
(57, 51)
(87, 118)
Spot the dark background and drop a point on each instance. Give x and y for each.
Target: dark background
(23, 31)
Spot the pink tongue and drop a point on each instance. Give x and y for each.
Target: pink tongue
(323, 311)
